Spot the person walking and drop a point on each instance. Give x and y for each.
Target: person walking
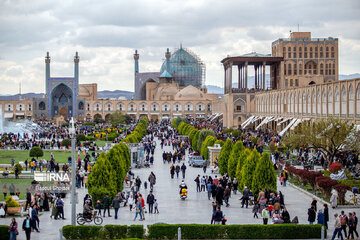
(311, 215)
(245, 197)
(27, 225)
(227, 193)
(197, 180)
(116, 204)
(337, 226)
(172, 171)
(138, 209)
(326, 215)
(218, 215)
(284, 176)
(203, 184)
(156, 206)
(208, 188)
(265, 215)
(351, 224)
(333, 199)
(35, 218)
(235, 185)
(177, 170)
(343, 222)
(13, 229)
(150, 201)
(356, 222)
(59, 208)
(131, 201)
(137, 183)
(204, 168)
(183, 169)
(106, 205)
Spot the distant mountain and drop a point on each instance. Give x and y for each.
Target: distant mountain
(23, 96)
(350, 76)
(115, 94)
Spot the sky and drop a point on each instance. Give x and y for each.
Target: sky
(106, 34)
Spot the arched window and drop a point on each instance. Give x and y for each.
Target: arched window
(337, 101)
(330, 102)
(308, 103)
(327, 52)
(289, 69)
(351, 101)
(321, 69)
(318, 103)
(313, 111)
(300, 52)
(41, 106)
(332, 52)
(324, 103)
(343, 101)
(81, 105)
(321, 52)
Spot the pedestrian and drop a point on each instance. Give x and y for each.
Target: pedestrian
(183, 169)
(256, 209)
(311, 215)
(35, 218)
(235, 185)
(285, 216)
(265, 215)
(356, 222)
(337, 226)
(333, 199)
(208, 188)
(177, 170)
(218, 216)
(99, 207)
(172, 171)
(227, 193)
(314, 203)
(5, 190)
(351, 224)
(137, 183)
(106, 202)
(156, 206)
(116, 205)
(326, 215)
(343, 221)
(13, 229)
(321, 218)
(150, 201)
(204, 168)
(203, 184)
(138, 209)
(131, 201)
(59, 208)
(27, 225)
(197, 180)
(284, 176)
(245, 197)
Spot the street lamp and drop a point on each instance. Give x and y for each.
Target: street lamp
(73, 173)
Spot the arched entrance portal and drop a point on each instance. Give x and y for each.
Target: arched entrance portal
(61, 101)
(143, 89)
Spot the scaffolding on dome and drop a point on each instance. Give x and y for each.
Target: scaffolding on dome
(186, 68)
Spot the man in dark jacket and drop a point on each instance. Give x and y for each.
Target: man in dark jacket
(218, 215)
(107, 204)
(150, 201)
(311, 215)
(183, 169)
(197, 180)
(116, 205)
(27, 225)
(219, 195)
(245, 197)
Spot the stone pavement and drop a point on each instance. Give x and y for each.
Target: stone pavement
(195, 209)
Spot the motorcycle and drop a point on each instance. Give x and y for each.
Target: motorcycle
(183, 194)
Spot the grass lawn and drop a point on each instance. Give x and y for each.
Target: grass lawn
(21, 155)
(21, 184)
(101, 143)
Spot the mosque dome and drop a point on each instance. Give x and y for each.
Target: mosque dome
(189, 93)
(185, 68)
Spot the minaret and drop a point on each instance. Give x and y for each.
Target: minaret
(47, 72)
(136, 87)
(76, 72)
(76, 84)
(167, 56)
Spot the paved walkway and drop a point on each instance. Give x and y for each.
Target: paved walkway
(196, 209)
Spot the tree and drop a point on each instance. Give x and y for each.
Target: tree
(117, 118)
(80, 137)
(265, 175)
(220, 142)
(66, 142)
(234, 158)
(209, 141)
(202, 136)
(327, 136)
(192, 134)
(224, 156)
(242, 158)
(194, 141)
(118, 165)
(248, 169)
(101, 180)
(36, 152)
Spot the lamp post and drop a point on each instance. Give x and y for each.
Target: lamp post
(73, 173)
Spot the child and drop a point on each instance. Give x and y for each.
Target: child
(156, 206)
(99, 206)
(256, 209)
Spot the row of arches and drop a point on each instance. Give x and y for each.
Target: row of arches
(339, 100)
(145, 107)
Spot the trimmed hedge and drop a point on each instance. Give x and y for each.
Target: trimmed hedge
(4, 232)
(203, 231)
(105, 232)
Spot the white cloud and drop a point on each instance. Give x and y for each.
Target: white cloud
(106, 34)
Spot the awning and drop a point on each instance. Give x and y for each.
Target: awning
(177, 114)
(286, 119)
(20, 114)
(154, 113)
(265, 121)
(131, 113)
(295, 124)
(247, 120)
(287, 127)
(8, 115)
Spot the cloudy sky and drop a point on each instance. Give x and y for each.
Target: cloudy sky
(106, 33)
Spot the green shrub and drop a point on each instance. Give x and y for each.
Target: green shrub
(10, 202)
(66, 142)
(115, 231)
(36, 152)
(81, 232)
(136, 231)
(4, 233)
(90, 138)
(202, 231)
(19, 168)
(88, 124)
(80, 137)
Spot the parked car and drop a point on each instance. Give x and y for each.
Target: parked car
(196, 161)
